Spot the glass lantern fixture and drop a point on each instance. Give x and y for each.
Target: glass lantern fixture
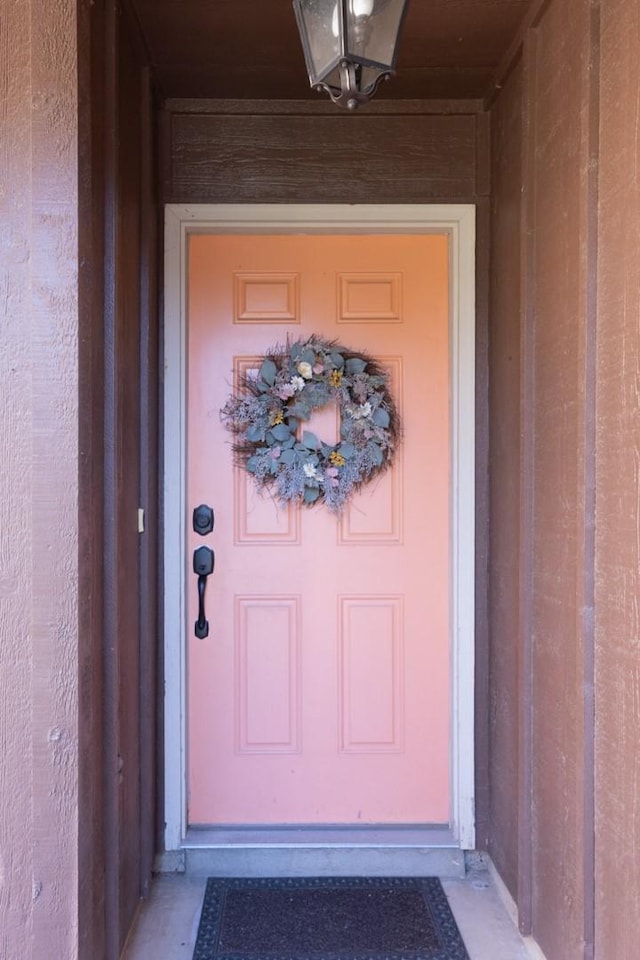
(350, 46)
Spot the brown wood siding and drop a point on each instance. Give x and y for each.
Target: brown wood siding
(131, 452)
(555, 284)
(551, 866)
(118, 473)
(618, 507)
(92, 839)
(40, 710)
(218, 154)
(505, 454)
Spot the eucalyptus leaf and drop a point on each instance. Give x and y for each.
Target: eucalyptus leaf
(300, 410)
(347, 450)
(255, 433)
(252, 464)
(287, 457)
(268, 371)
(356, 365)
(311, 494)
(337, 360)
(310, 440)
(376, 453)
(380, 417)
(307, 356)
(281, 431)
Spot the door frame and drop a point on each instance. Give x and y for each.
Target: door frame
(458, 222)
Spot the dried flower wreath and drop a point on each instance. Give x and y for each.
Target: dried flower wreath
(269, 408)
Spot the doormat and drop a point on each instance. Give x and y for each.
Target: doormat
(345, 918)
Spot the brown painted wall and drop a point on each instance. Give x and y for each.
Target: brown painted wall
(556, 197)
(76, 172)
(39, 325)
(130, 451)
(504, 456)
(545, 129)
(618, 507)
(577, 320)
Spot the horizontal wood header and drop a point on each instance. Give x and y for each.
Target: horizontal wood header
(225, 154)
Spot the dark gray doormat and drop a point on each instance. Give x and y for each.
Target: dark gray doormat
(327, 919)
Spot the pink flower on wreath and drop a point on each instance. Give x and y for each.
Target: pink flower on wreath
(285, 391)
(318, 368)
(275, 452)
(331, 473)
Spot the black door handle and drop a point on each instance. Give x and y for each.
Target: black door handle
(203, 564)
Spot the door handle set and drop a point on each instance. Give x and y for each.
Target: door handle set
(203, 565)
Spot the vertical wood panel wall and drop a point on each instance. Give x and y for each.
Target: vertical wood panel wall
(118, 472)
(555, 286)
(571, 101)
(39, 524)
(618, 478)
(505, 464)
(130, 449)
(540, 623)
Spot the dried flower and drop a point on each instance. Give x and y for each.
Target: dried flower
(276, 418)
(364, 410)
(336, 459)
(336, 378)
(285, 391)
(297, 383)
(305, 370)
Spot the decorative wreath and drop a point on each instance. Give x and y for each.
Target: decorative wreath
(270, 406)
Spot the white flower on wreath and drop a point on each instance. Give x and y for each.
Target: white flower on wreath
(310, 471)
(297, 383)
(364, 410)
(305, 370)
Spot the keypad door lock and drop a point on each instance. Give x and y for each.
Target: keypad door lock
(203, 519)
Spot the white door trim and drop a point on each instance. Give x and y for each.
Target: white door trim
(458, 220)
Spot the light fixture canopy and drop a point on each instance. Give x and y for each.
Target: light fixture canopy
(349, 45)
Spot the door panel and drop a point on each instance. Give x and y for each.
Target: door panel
(322, 694)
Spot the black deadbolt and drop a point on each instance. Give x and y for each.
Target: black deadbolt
(203, 519)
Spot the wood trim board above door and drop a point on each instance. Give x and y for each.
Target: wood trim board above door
(458, 223)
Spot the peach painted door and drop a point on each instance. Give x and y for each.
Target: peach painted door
(322, 694)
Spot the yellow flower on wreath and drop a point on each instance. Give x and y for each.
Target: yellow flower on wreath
(336, 378)
(276, 418)
(336, 459)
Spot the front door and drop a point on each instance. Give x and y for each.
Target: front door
(322, 694)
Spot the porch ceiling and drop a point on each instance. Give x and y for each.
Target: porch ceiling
(250, 49)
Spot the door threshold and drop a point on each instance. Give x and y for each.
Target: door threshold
(342, 851)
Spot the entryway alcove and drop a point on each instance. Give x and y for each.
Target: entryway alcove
(523, 113)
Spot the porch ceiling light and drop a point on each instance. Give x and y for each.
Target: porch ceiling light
(349, 45)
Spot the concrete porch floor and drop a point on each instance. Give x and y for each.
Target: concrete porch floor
(167, 924)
